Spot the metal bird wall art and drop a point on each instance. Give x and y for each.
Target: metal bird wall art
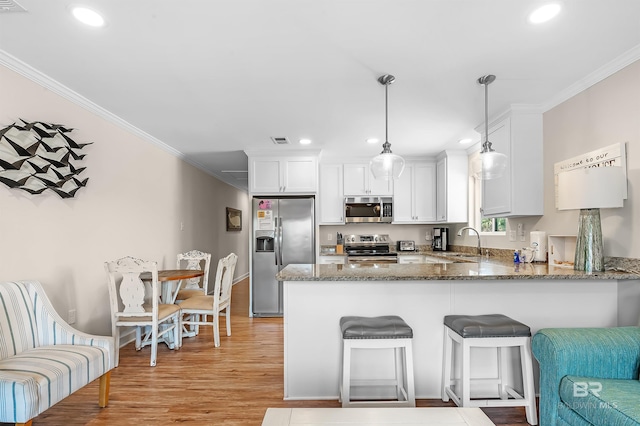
(35, 156)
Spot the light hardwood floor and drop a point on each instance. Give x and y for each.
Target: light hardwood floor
(199, 384)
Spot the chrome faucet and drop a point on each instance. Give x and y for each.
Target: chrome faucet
(477, 234)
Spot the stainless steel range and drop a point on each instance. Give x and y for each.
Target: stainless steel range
(369, 249)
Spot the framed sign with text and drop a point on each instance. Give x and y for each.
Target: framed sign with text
(610, 156)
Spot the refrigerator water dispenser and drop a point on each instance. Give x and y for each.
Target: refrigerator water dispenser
(264, 241)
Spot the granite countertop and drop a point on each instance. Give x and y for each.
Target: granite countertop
(466, 268)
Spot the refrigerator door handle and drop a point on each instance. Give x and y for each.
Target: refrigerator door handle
(280, 242)
(276, 240)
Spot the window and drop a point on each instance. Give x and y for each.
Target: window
(493, 224)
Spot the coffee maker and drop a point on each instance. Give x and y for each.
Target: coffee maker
(440, 239)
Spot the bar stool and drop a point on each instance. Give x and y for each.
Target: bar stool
(488, 331)
(378, 333)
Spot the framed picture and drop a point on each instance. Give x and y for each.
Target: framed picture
(234, 219)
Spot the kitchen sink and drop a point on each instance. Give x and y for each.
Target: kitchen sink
(437, 259)
(451, 258)
(460, 255)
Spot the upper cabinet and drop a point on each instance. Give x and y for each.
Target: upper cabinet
(414, 197)
(275, 175)
(358, 182)
(331, 196)
(452, 183)
(519, 192)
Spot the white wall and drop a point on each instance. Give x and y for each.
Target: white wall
(604, 114)
(136, 198)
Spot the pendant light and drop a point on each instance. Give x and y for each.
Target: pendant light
(386, 165)
(492, 164)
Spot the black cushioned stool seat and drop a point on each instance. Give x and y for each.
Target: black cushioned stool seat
(501, 333)
(386, 327)
(383, 332)
(494, 325)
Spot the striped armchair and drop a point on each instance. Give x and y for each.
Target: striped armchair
(42, 359)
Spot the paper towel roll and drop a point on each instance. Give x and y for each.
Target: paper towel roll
(539, 238)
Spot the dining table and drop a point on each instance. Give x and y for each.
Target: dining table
(169, 292)
(167, 277)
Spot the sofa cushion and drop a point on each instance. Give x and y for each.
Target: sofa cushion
(18, 331)
(36, 379)
(602, 401)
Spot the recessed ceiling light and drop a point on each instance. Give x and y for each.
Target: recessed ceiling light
(373, 140)
(544, 13)
(305, 141)
(467, 140)
(88, 16)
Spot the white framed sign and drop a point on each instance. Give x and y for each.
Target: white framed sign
(610, 156)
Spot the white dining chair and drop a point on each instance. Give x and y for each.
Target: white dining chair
(196, 309)
(193, 259)
(196, 260)
(133, 306)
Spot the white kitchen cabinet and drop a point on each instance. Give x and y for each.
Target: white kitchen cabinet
(452, 185)
(274, 175)
(358, 182)
(519, 192)
(335, 259)
(414, 197)
(331, 196)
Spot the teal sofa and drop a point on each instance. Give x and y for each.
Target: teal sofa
(589, 376)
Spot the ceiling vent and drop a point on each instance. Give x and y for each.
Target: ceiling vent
(10, 6)
(280, 141)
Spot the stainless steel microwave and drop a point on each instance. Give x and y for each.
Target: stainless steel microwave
(368, 209)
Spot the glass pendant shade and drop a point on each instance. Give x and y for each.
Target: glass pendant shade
(489, 165)
(386, 165)
(494, 164)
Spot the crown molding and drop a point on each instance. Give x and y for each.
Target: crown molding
(622, 61)
(60, 89)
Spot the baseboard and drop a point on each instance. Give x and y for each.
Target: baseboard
(241, 278)
(236, 280)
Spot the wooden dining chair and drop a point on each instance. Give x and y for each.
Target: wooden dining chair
(133, 306)
(196, 309)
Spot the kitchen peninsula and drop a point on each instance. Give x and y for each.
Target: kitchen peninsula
(317, 295)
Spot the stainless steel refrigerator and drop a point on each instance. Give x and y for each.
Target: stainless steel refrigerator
(283, 234)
